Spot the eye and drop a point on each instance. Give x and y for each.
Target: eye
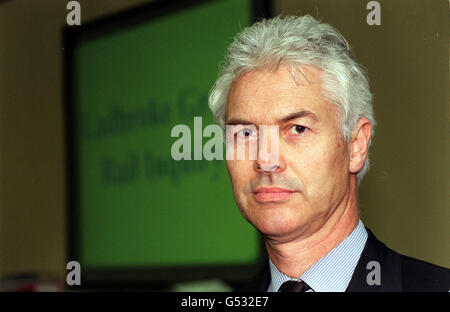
(297, 129)
(246, 132)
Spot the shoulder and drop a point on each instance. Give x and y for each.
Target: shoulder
(419, 275)
(415, 275)
(397, 272)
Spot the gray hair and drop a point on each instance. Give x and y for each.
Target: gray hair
(299, 41)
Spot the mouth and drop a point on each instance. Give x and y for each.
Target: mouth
(272, 194)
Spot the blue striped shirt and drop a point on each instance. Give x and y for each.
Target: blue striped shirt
(333, 272)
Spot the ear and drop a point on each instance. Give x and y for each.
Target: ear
(359, 146)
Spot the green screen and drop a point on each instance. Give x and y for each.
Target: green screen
(138, 206)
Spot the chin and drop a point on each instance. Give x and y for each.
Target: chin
(275, 221)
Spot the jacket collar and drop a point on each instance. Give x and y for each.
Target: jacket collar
(374, 250)
(389, 268)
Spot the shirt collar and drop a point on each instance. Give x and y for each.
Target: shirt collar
(333, 272)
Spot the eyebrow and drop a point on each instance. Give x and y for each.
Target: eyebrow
(295, 115)
(237, 121)
(299, 114)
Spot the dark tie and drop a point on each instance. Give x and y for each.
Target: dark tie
(294, 286)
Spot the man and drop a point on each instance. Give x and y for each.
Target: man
(300, 75)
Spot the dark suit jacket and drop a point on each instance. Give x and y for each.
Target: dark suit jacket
(398, 272)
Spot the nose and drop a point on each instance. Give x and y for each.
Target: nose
(270, 166)
(269, 158)
(266, 168)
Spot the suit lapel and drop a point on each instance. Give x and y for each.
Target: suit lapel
(374, 250)
(389, 268)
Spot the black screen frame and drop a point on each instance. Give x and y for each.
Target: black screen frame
(130, 278)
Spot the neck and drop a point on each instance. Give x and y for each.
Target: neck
(293, 258)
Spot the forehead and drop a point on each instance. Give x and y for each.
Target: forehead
(266, 96)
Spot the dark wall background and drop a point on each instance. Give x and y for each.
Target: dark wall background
(404, 198)
(32, 169)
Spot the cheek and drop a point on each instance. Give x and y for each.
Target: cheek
(239, 172)
(319, 166)
(333, 173)
(338, 159)
(240, 178)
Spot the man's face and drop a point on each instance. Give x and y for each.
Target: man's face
(313, 163)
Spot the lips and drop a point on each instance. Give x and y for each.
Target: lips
(272, 194)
